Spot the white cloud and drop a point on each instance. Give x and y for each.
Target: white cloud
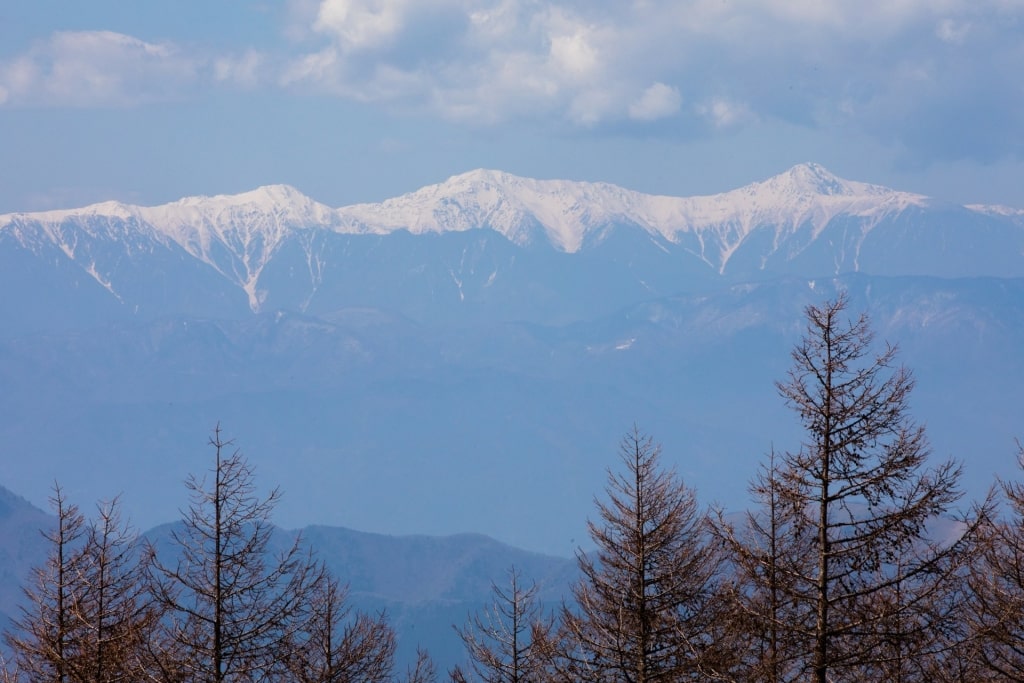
(876, 66)
(487, 61)
(657, 102)
(316, 67)
(245, 69)
(573, 55)
(96, 68)
(361, 24)
(881, 67)
(724, 113)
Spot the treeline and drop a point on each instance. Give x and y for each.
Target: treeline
(857, 561)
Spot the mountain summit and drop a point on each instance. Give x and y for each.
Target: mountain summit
(814, 179)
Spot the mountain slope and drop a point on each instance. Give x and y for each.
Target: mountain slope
(22, 547)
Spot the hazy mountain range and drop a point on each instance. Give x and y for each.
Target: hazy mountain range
(465, 357)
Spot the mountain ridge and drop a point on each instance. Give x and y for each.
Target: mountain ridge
(277, 248)
(567, 210)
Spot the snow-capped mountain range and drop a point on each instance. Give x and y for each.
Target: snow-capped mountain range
(564, 213)
(803, 221)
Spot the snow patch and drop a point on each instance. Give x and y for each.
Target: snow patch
(104, 282)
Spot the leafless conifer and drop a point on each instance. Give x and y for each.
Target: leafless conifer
(506, 642)
(644, 605)
(232, 609)
(337, 646)
(878, 589)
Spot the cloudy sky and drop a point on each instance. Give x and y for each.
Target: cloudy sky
(359, 100)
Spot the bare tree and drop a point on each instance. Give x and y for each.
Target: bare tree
(765, 634)
(423, 670)
(997, 590)
(87, 614)
(232, 608)
(860, 490)
(506, 642)
(112, 609)
(337, 646)
(44, 638)
(920, 634)
(643, 604)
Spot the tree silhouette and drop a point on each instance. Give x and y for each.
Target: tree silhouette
(997, 590)
(232, 609)
(44, 638)
(335, 645)
(507, 642)
(644, 605)
(87, 612)
(765, 635)
(858, 489)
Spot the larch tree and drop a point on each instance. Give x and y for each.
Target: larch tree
(112, 609)
(643, 608)
(44, 637)
(232, 608)
(860, 491)
(506, 642)
(336, 646)
(997, 590)
(764, 636)
(87, 614)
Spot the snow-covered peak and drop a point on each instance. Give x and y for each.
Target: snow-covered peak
(281, 205)
(235, 234)
(562, 211)
(107, 209)
(811, 184)
(283, 202)
(813, 179)
(257, 219)
(251, 225)
(483, 177)
(267, 197)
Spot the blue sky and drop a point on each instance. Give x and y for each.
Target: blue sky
(359, 100)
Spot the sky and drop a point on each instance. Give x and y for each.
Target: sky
(360, 100)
